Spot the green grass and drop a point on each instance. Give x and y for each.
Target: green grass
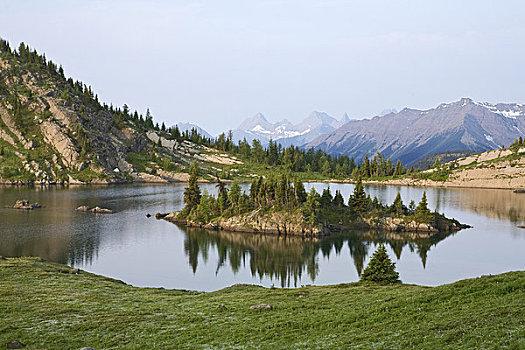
(140, 161)
(44, 307)
(87, 175)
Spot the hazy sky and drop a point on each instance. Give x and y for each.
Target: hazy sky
(215, 63)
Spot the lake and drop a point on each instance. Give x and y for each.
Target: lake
(144, 251)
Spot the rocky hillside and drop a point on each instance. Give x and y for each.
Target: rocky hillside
(412, 134)
(54, 130)
(503, 168)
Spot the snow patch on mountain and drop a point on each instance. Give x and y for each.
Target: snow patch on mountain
(509, 114)
(286, 133)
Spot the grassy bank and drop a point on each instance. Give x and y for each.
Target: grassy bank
(44, 307)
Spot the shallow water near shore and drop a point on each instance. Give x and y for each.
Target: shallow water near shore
(148, 252)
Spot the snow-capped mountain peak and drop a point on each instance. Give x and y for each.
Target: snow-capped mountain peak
(286, 133)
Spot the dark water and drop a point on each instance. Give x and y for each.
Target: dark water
(148, 252)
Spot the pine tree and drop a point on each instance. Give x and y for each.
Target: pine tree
(300, 192)
(376, 204)
(423, 214)
(366, 167)
(397, 206)
(326, 169)
(400, 170)
(326, 198)
(380, 268)
(176, 133)
(204, 209)
(192, 193)
(311, 207)
(338, 199)
(358, 200)
(234, 196)
(412, 206)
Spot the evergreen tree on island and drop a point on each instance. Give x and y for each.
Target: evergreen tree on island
(380, 268)
(358, 200)
(338, 199)
(397, 206)
(422, 212)
(192, 193)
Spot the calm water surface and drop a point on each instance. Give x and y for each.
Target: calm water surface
(148, 252)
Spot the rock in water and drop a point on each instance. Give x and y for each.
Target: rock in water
(95, 210)
(99, 210)
(15, 344)
(161, 215)
(24, 204)
(261, 306)
(83, 208)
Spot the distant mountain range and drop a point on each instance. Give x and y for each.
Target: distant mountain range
(286, 133)
(412, 134)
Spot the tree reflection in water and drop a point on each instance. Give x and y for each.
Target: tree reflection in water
(286, 258)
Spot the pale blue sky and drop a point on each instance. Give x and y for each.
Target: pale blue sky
(215, 63)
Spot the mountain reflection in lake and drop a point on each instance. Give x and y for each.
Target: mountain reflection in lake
(148, 252)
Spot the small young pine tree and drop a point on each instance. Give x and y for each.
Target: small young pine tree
(397, 206)
(338, 200)
(358, 200)
(326, 198)
(412, 206)
(380, 268)
(423, 214)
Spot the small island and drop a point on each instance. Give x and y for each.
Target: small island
(279, 205)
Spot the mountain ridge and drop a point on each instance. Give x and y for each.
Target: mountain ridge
(413, 134)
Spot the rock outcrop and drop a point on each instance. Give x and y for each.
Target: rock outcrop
(281, 223)
(95, 210)
(292, 223)
(24, 205)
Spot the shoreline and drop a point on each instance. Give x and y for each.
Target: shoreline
(416, 183)
(65, 269)
(394, 182)
(268, 226)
